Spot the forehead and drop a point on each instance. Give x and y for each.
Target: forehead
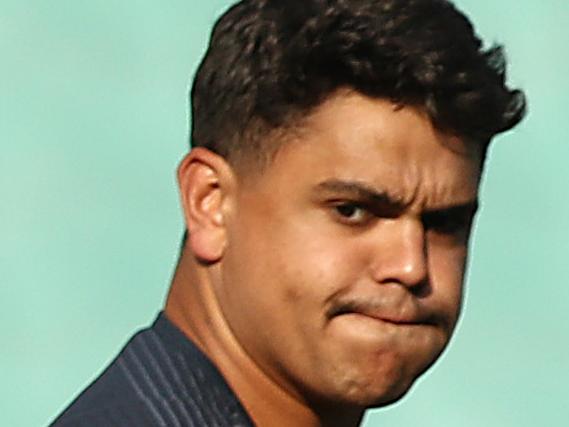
(394, 149)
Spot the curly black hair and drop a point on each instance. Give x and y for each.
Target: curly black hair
(270, 62)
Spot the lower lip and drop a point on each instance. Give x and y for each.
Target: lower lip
(373, 330)
(381, 319)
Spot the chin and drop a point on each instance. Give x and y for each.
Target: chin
(381, 396)
(361, 399)
(381, 387)
(388, 398)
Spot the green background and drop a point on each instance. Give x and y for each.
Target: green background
(93, 120)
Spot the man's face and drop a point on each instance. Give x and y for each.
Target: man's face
(343, 272)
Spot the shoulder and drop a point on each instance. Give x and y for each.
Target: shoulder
(159, 378)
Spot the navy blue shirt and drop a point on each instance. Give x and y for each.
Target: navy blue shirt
(160, 378)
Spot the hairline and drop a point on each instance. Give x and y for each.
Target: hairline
(253, 160)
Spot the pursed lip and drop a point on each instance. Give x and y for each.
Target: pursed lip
(400, 321)
(409, 317)
(390, 308)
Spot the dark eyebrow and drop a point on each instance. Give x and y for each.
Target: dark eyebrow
(364, 193)
(466, 208)
(381, 199)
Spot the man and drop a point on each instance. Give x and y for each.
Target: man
(329, 198)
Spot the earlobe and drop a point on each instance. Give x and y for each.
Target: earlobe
(204, 179)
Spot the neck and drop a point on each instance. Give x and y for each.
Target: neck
(193, 308)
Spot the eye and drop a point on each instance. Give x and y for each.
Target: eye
(352, 213)
(448, 223)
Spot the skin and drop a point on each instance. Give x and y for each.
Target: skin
(328, 282)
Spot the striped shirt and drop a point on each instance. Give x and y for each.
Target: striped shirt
(160, 378)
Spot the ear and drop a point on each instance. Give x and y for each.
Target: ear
(206, 184)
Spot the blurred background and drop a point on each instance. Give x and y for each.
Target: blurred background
(93, 120)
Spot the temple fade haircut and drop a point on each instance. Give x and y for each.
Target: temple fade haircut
(271, 62)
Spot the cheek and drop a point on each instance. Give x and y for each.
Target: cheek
(315, 266)
(447, 269)
(282, 277)
(285, 264)
(288, 276)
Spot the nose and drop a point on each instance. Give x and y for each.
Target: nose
(402, 256)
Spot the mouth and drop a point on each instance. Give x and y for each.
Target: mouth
(395, 317)
(393, 320)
